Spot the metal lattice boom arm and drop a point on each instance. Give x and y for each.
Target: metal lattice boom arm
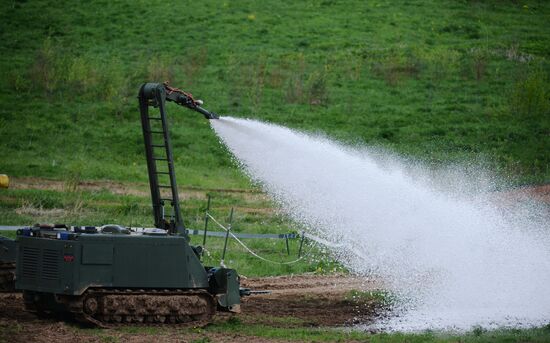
(158, 151)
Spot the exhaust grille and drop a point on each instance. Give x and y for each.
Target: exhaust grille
(30, 262)
(43, 263)
(50, 264)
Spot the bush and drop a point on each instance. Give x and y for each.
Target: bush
(397, 66)
(296, 68)
(479, 58)
(529, 95)
(317, 89)
(42, 73)
(159, 70)
(57, 72)
(439, 63)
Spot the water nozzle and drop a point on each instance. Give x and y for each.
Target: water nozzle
(207, 114)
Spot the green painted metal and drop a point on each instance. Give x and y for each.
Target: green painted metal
(7, 250)
(108, 261)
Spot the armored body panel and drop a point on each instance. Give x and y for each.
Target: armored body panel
(79, 261)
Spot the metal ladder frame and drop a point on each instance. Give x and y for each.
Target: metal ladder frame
(154, 94)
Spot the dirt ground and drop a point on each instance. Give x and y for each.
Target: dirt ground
(314, 300)
(539, 193)
(295, 301)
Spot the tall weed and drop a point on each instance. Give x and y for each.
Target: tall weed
(317, 88)
(57, 73)
(160, 70)
(295, 83)
(232, 77)
(397, 66)
(355, 68)
(42, 73)
(257, 80)
(513, 53)
(80, 75)
(530, 94)
(439, 63)
(479, 59)
(193, 64)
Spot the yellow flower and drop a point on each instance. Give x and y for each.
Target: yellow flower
(251, 17)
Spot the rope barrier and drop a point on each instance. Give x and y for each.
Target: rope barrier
(313, 238)
(254, 253)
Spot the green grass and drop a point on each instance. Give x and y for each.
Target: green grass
(9, 330)
(8, 234)
(437, 80)
(382, 297)
(234, 326)
(337, 335)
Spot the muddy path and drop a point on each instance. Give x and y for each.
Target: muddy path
(295, 302)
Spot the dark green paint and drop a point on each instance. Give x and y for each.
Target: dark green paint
(7, 250)
(105, 260)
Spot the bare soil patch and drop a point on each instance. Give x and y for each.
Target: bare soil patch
(539, 193)
(310, 300)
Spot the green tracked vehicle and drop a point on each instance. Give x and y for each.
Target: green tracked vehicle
(112, 274)
(7, 264)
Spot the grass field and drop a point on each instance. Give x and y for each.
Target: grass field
(233, 327)
(438, 81)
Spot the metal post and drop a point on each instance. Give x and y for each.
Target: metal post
(206, 218)
(227, 234)
(301, 244)
(287, 247)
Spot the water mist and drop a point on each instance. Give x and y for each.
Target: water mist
(453, 256)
